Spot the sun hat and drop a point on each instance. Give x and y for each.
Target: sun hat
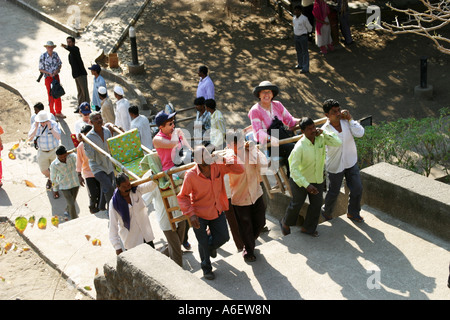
(266, 85)
(162, 117)
(118, 90)
(42, 116)
(49, 44)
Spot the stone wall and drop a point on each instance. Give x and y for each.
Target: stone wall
(408, 196)
(143, 272)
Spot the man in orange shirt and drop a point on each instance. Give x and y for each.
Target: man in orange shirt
(203, 198)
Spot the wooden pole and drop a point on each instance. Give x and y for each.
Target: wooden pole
(159, 175)
(297, 137)
(103, 152)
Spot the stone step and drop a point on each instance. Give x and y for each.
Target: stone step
(381, 258)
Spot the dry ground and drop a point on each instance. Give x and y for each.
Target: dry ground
(375, 76)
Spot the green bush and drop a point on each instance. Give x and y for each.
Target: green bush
(416, 145)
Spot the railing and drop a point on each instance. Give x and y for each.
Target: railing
(283, 7)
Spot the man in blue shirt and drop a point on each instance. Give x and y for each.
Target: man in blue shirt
(99, 81)
(205, 87)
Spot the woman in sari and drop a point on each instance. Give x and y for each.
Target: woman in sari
(323, 29)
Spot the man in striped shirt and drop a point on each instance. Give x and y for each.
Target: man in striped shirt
(64, 176)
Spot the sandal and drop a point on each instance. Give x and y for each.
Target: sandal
(356, 219)
(314, 234)
(55, 195)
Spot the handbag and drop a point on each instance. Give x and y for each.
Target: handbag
(56, 89)
(35, 142)
(277, 124)
(285, 149)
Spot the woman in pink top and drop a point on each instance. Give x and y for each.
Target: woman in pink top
(265, 114)
(96, 201)
(169, 140)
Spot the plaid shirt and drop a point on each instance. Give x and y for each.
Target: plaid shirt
(64, 176)
(46, 141)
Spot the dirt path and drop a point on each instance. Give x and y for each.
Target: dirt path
(375, 76)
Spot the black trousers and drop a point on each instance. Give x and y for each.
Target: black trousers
(251, 220)
(298, 199)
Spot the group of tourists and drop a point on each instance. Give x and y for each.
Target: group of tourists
(222, 191)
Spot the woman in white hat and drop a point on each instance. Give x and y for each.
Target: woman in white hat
(48, 136)
(50, 66)
(267, 115)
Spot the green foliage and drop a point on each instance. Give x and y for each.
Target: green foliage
(416, 145)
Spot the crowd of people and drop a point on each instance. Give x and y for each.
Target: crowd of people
(322, 21)
(222, 191)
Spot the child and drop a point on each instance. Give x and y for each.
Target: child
(302, 28)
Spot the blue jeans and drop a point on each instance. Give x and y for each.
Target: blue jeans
(301, 46)
(353, 180)
(219, 235)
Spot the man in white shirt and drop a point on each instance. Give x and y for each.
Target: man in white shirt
(205, 87)
(129, 222)
(123, 119)
(302, 28)
(143, 125)
(341, 161)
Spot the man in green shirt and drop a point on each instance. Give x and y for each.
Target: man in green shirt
(306, 162)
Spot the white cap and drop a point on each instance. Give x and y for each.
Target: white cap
(102, 90)
(42, 116)
(118, 90)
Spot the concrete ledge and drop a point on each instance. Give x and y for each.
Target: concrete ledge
(46, 18)
(408, 196)
(142, 273)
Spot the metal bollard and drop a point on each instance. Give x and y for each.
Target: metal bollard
(134, 56)
(423, 72)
